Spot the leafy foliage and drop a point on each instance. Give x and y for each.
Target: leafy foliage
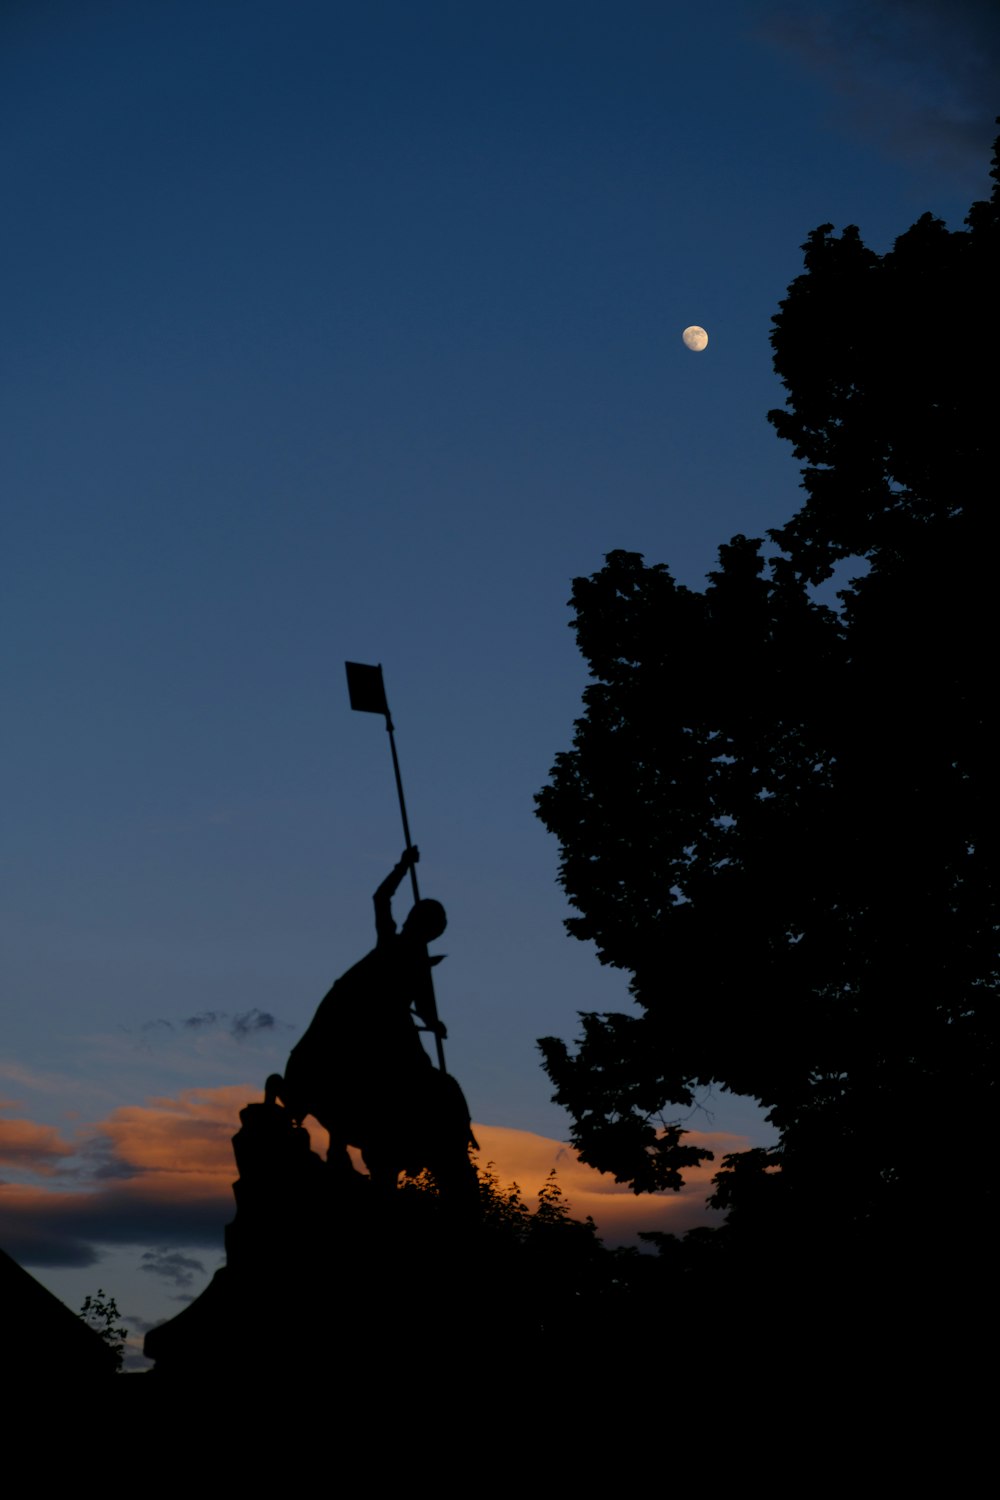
(505, 1215)
(507, 1218)
(101, 1313)
(781, 816)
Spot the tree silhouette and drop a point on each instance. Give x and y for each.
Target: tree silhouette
(101, 1313)
(780, 815)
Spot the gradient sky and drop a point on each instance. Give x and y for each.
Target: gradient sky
(352, 330)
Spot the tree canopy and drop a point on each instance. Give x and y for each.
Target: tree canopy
(779, 815)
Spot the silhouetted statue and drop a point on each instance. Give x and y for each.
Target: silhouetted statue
(361, 1070)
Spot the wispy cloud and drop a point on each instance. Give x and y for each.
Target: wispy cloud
(36, 1081)
(238, 1024)
(171, 1265)
(920, 76)
(246, 1023)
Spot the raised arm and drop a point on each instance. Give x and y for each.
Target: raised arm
(385, 927)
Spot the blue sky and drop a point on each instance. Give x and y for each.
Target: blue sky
(353, 331)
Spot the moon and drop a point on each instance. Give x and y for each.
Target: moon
(695, 338)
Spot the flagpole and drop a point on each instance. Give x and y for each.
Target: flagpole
(399, 792)
(369, 696)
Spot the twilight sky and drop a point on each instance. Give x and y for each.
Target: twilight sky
(352, 330)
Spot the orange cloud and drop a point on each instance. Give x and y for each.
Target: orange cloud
(190, 1135)
(164, 1176)
(166, 1172)
(36, 1148)
(527, 1159)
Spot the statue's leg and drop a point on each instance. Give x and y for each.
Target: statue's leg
(383, 1167)
(385, 1125)
(450, 1136)
(458, 1180)
(337, 1159)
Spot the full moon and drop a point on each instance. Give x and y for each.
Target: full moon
(695, 337)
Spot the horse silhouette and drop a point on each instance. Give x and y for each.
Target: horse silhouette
(428, 1126)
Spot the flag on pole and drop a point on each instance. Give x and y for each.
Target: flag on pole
(366, 688)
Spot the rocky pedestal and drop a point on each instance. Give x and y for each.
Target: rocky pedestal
(321, 1270)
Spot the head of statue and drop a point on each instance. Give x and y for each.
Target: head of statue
(426, 921)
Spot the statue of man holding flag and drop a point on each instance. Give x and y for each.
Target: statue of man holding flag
(360, 1068)
(362, 1049)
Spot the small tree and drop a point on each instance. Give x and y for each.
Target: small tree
(101, 1314)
